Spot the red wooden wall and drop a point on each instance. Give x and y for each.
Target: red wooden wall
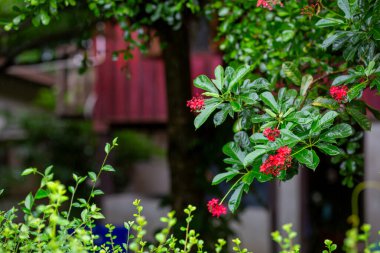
(133, 92)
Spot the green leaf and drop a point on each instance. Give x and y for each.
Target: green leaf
(92, 176)
(285, 133)
(41, 193)
(306, 81)
(219, 77)
(108, 168)
(238, 76)
(204, 83)
(328, 22)
(269, 100)
(107, 148)
(221, 116)
(251, 157)
(29, 200)
(331, 39)
(329, 149)
(342, 130)
(328, 103)
(205, 113)
(355, 91)
(291, 71)
(44, 17)
(97, 192)
(235, 199)
(360, 118)
(226, 176)
(344, 5)
(29, 171)
(343, 79)
(324, 122)
(232, 150)
(307, 157)
(1, 191)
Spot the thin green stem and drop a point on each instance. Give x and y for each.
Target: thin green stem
(229, 191)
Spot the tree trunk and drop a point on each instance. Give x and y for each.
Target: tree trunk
(181, 132)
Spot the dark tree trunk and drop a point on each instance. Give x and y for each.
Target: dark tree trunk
(181, 133)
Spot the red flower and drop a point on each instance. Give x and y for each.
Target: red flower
(196, 104)
(339, 93)
(271, 134)
(215, 208)
(278, 162)
(268, 4)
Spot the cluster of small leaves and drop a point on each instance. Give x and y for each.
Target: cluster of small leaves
(265, 39)
(286, 242)
(306, 125)
(356, 238)
(47, 225)
(357, 29)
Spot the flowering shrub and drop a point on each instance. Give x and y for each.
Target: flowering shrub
(306, 105)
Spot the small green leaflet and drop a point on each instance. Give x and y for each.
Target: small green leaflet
(306, 81)
(291, 71)
(269, 100)
(328, 103)
(219, 77)
(238, 75)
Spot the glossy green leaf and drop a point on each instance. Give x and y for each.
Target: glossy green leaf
(108, 168)
(235, 198)
(204, 83)
(342, 130)
(221, 116)
(328, 22)
(251, 157)
(29, 171)
(238, 76)
(219, 77)
(41, 193)
(226, 176)
(306, 81)
(307, 157)
(29, 200)
(291, 71)
(324, 122)
(329, 149)
(344, 5)
(269, 101)
(205, 113)
(328, 103)
(343, 79)
(360, 118)
(92, 176)
(355, 91)
(232, 150)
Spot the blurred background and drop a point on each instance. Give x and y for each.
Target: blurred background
(64, 93)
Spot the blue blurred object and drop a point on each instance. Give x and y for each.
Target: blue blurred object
(120, 232)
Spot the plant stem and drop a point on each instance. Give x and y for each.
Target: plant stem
(229, 191)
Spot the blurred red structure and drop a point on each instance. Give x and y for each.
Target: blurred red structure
(134, 92)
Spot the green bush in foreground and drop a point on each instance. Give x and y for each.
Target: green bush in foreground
(49, 227)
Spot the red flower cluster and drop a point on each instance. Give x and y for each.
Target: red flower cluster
(275, 163)
(271, 134)
(196, 104)
(339, 93)
(268, 4)
(215, 208)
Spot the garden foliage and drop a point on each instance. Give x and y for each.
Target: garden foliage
(309, 102)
